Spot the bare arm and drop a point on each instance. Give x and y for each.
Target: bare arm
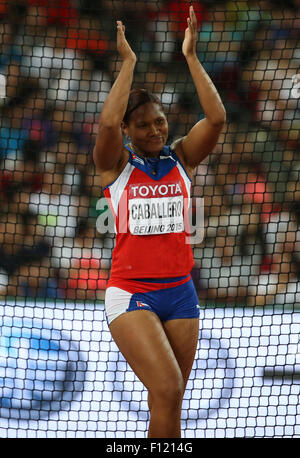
(109, 142)
(204, 135)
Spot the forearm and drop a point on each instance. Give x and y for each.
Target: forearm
(109, 142)
(208, 95)
(116, 103)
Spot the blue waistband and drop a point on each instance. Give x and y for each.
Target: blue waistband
(161, 280)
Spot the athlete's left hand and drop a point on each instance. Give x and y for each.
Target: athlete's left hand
(190, 38)
(123, 46)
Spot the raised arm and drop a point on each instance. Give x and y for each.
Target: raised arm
(203, 136)
(108, 148)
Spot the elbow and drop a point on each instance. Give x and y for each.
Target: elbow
(219, 120)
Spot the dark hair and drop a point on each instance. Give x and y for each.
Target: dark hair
(138, 97)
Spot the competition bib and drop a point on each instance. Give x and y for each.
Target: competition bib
(155, 209)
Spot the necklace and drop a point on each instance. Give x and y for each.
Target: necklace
(152, 162)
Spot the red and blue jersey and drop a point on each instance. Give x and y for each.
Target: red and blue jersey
(149, 201)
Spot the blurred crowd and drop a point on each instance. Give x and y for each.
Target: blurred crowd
(59, 60)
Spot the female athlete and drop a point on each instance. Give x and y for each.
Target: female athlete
(151, 303)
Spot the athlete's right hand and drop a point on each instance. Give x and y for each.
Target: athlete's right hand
(123, 46)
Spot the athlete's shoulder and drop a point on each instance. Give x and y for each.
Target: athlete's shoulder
(176, 147)
(177, 151)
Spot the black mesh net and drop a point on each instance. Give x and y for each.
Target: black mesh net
(61, 375)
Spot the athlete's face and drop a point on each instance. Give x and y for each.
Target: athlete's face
(148, 129)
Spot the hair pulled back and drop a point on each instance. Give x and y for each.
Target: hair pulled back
(138, 97)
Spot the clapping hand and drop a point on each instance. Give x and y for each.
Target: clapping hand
(190, 38)
(123, 46)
